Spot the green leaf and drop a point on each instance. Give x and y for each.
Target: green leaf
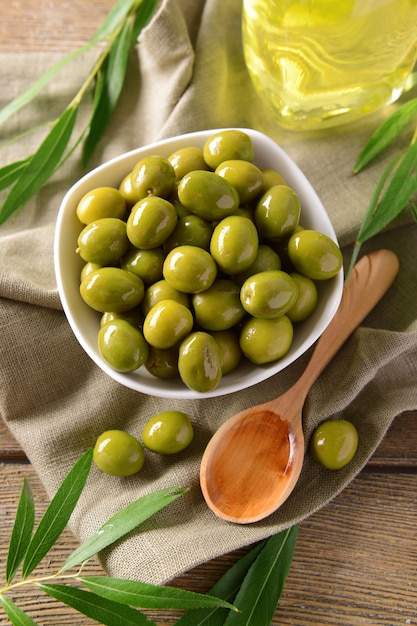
(123, 522)
(41, 165)
(143, 16)
(399, 193)
(22, 531)
(15, 614)
(144, 595)
(111, 78)
(386, 133)
(370, 210)
(262, 587)
(115, 17)
(58, 513)
(10, 173)
(103, 611)
(112, 75)
(226, 588)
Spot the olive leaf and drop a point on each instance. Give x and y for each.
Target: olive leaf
(227, 588)
(22, 531)
(15, 614)
(149, 596)
(110, 82)
(262, 587)
(122, 523)
(112, 75)
(400, 190)
(41, 165)
(58, 513)
(386, 133)
(388, 200)
(398, 182)
(10, 173)
(102, 610)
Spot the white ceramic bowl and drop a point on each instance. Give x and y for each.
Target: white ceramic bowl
(85, 322)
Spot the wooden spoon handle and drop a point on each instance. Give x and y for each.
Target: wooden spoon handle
(367, 283)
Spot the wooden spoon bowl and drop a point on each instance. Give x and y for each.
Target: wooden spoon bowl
(253, 462)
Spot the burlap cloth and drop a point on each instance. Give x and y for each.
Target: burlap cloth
(188, 74)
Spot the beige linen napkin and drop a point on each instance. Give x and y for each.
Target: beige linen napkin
(188, 74)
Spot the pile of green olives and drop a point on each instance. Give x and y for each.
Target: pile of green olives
(118, 453)
(199, 260)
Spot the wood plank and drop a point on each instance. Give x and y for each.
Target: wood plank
(399, 446)
(355, 560)
(9, 447)
(58, 25)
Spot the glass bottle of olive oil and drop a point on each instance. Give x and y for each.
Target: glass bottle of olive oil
(320, 63)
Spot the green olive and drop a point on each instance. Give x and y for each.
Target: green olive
(228, 341)
(314, 255)
(307, 296)
(168, 432)
(127, 191)
(161, 290)
(150, 222)
(167, 323)
(133, 316)
(122, 345)
(200, 362)
(334, 443)
(244, 176)
(118, 453)
(101, 202)
(188, 159)
(112, 289)
(266, 259)
(272, 178)
(219, 306)
(226, 145)
(189, 269)
(147, 264)
(162, 362)
(153, 176)
(104, 241)
(234, 244)
(246, 211)
(268, 294)
(266, 340)
(191, 230)
(208, 195)
(281, 248)
(88, 269)
(278, 212)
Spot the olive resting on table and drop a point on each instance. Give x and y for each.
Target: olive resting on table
(205, 255)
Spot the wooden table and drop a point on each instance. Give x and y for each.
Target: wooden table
(356, 559)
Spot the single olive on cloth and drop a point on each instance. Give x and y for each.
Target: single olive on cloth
(334, 443)
(118, 453)
(205, 248)
(168, 432)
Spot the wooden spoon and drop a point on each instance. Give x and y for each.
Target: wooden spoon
(253, 461)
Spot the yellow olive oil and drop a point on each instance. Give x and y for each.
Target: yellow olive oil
(320, 63)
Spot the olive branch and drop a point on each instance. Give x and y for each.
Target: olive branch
(117, 37)
(115, 601)
(398, 182)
